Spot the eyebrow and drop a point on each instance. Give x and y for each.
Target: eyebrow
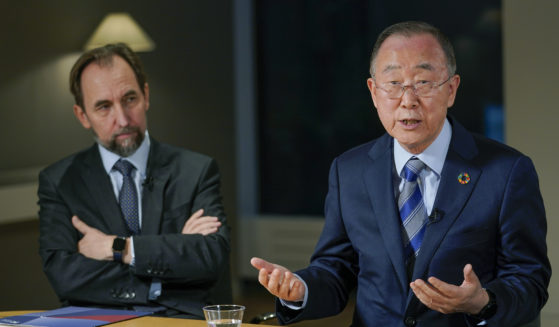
(391, 67)
(131, 92)
(105, 102)
(426, 66)
(101, 102)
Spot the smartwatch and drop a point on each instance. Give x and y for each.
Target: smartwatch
(489, 309)
(119, 244)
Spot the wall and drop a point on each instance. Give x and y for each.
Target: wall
(531, 71)
(190, 77)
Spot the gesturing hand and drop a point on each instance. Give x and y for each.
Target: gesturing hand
(94, 244)
(279, 280)
(469, 297)
(197, 224)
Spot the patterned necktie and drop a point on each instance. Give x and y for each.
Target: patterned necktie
(128, 198)
(412, 208)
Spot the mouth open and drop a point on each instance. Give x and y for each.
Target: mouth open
(410, 122)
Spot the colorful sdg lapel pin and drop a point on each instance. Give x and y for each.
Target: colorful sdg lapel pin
(464, 178)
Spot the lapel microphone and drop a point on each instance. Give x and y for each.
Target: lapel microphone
(435, 216)
(148, 183)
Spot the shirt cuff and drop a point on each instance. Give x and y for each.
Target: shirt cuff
(154, 289)
(132, 254)
(300, 304)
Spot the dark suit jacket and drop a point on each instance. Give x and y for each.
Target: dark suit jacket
(496, 222)
(194, 269)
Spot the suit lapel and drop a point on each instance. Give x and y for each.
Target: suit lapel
(377, 176)
(157, 175)
(95, 179)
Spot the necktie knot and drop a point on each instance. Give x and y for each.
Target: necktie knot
(124, 167)
(412, 169)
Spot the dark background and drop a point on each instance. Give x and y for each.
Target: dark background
(313, 101)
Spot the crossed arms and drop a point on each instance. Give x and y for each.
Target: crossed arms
(77, 251)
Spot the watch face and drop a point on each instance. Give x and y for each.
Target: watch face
(119, 243)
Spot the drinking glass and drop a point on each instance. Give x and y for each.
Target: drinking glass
(224, 315)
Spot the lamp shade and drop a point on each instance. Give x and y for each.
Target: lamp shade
(120, 27)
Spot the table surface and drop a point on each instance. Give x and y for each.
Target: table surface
(139, 322)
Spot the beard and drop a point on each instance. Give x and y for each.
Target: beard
(128, 146)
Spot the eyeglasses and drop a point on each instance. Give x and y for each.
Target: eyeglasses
(395, 90)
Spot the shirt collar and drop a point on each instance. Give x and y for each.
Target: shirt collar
(139, 158)
(434, 156)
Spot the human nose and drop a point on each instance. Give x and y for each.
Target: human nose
(410, 87)
(120, 115)
(409, 99)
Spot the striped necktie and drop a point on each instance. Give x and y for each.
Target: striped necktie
(128, 197)
(412, 208)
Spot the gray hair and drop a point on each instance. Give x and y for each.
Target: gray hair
(412, 28)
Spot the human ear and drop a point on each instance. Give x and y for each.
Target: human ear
(452, 88)
(80, 114)
(373, 90)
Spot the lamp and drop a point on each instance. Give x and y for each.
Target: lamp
(120, 27)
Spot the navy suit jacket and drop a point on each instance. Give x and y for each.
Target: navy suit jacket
(194, 269)
(496, 222)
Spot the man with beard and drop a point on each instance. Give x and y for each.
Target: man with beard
(130, 222)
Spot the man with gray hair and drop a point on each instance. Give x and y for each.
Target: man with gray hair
(430, 224)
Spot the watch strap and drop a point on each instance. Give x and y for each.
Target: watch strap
(489, 309)
(117, 256)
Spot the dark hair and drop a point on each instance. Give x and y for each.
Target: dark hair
(103, 56)
(412, 28)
